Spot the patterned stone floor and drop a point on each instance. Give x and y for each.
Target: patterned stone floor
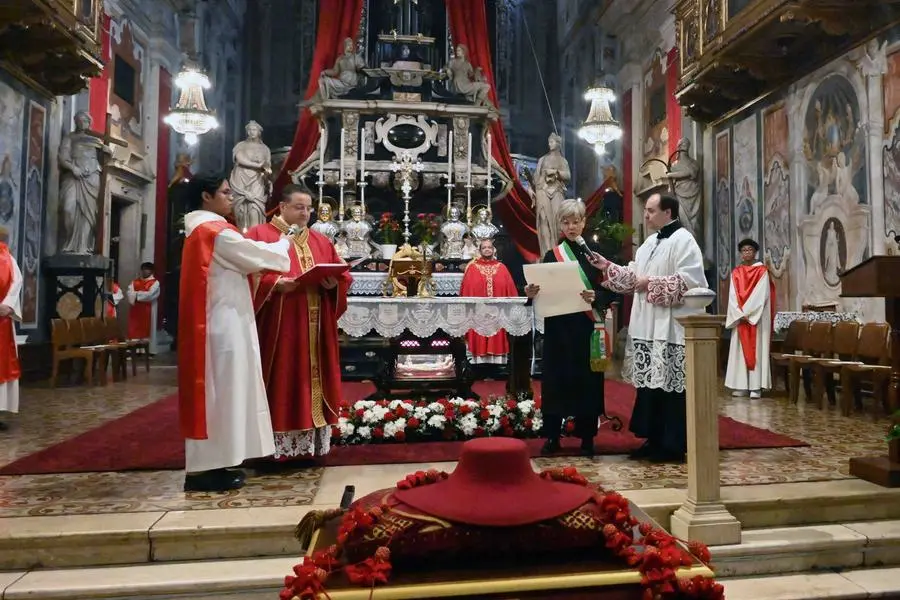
(50, 416)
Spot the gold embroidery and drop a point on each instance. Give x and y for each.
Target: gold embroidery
(387, 527)
(579, 520)
(488, 270)
(425, 518)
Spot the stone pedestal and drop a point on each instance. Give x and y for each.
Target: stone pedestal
(75, 285)
(703, 517)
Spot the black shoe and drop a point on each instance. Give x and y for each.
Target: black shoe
(218, 480)
(668, 456)
(3, 426)
(238, 474)
(550, 447)
(645, 451)
(587, 448)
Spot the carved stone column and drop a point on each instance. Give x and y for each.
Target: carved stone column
(703, 517)
(874, 66)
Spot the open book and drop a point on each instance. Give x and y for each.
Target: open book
(321, 272)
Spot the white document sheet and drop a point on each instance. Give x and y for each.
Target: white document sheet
(561, 286)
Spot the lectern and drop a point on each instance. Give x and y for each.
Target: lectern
(879, 277)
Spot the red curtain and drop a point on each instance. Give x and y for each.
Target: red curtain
(468, 25)
(98, 87)
(673, 109)
(162, 187)
(338, 20)
(627, 185)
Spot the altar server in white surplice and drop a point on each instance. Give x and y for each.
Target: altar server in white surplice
(750, 314)
(224, 412)
(665, 267)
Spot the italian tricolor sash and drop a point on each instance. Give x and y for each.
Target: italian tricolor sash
(599, 339)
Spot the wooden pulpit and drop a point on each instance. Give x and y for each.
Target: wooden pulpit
(879, 277)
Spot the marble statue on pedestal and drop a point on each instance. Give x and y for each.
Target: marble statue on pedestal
(250, 178)
(550, 181)
(483, 229)
(684, 176)
(344, 76)
(463, 79)
(453, 234)
(358, 232)
(325, 224)
(79, 185)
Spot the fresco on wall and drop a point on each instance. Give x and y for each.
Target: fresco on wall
(891, 151)
(127, 83)
(12, 113)
(837, 188)
(33, 208)
(722, 207)
(746, 179)
(777, 217)
(656, 132)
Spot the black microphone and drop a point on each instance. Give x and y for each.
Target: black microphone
(580, 241)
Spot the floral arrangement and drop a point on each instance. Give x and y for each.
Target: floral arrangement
(654, 553)
(389, 231)
(426, 227)
(371, 421)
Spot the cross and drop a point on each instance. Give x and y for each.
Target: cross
(104, 139)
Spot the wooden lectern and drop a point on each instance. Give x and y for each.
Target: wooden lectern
(879, 277)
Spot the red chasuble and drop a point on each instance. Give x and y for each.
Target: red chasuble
(744, 279)
(192, 322)
(298, 334)
(9, 360)
(139, 317)
(487, 279)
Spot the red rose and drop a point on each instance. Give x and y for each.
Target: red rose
(389, 416)
(413, 423)
(360, 413)
(504, 421)
(378, 433)
(511, 404)
(400, 435)
(479, 432)
(508, 431)
(401, 412)
(485, 414)
(383, 403)
(448, 414)
(528, 423)
(465, 409)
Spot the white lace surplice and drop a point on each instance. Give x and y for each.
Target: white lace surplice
(654, 352)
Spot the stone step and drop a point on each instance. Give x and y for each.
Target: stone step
(260, 579)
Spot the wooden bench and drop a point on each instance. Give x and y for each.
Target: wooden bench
(97, 342)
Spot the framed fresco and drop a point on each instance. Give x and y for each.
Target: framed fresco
(33, 206)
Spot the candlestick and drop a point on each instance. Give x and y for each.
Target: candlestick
(321, 164)
(449, 184)
(362, 169)
(469, 181)
(341, 177)
(490, 186)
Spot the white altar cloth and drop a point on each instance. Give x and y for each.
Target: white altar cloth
(370, 283)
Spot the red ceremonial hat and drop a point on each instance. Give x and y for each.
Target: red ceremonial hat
(494, 485)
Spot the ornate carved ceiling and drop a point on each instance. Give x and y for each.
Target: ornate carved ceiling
(51, 45)
(728, 61)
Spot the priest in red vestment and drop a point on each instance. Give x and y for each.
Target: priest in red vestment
(10, 311)
(487, 277)
(142, 295)
(298, 332)
(113, 297)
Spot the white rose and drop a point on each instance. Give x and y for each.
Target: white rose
(364, 432)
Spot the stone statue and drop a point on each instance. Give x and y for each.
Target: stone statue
(483, 229)
(359, 232)
(79, 185)
(324, 223)
(345, 74)
(684, 177)
(453, 233)
(467, 81)
(549, 189)
(250, 178)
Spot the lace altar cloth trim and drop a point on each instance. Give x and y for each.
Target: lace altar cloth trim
(654, 364)
(783, 320)
(389, 317)
(369, 284)
(313, 442)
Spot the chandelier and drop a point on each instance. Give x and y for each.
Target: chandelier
(600, 128)
(191, 117)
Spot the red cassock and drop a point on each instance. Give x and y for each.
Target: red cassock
(298, 335)
(491, 279)
(9, 360)
(140, 315)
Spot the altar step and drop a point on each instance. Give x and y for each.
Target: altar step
(261, 579)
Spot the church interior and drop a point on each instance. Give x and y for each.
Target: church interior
(422, 129)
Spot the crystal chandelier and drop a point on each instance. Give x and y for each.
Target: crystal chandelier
(600, 128)
(191, 117)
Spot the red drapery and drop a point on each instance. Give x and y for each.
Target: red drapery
(627, 185)
(673, 109)
(162, 186)
(98, 87)
(338, 20)
(468, 25)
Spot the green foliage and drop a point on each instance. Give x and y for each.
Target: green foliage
(894, 432)
(609, 235)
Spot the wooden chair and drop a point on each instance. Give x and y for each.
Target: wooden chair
(133, 348)
(874, 354)
(845, 350)
(818, 343)
(93, 336)
(67, 349)
(793, 340)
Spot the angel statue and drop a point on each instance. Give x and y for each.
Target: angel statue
(467, 81)
(339, 80)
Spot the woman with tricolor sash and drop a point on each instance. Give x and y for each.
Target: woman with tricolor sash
(575, 351)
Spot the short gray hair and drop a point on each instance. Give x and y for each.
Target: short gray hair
(570, 208)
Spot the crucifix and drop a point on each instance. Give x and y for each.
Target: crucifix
(104, 140)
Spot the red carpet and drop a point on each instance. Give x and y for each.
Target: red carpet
(148, 438)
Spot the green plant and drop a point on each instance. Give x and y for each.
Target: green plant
(388, 230)
(894, 430)
(426, 227)
(611, 236)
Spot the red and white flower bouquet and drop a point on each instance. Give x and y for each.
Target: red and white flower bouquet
(377, 421)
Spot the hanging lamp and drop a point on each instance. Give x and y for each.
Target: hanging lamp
(190, 116)
(600, 128)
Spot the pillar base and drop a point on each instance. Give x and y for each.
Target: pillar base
(708, 523)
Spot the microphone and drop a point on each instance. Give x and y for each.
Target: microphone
(580, 241)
